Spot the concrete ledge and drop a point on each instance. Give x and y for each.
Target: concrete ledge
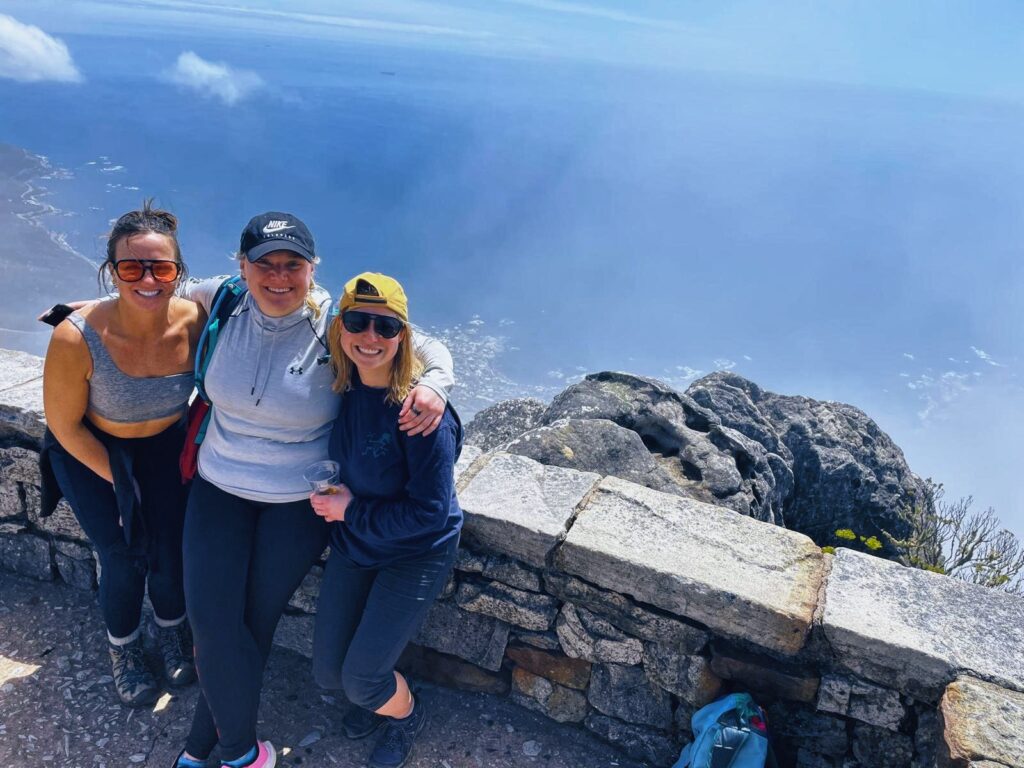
(740, 577)
(915, 630)
(520, 507)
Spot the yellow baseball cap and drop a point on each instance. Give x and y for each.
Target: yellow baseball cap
(372, 289)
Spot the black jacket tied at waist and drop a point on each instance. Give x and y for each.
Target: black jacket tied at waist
(122, 457)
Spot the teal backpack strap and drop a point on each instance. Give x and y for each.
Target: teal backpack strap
(228, 295)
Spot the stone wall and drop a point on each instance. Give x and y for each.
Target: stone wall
(603, 603)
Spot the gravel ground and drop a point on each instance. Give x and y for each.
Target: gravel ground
(58, 706)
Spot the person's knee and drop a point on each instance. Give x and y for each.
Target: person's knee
(369, 691)
(120, 566)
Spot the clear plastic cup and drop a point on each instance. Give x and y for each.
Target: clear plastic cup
(323, 477)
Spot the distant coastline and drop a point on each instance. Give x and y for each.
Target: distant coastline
(39, 168)
(40, 265)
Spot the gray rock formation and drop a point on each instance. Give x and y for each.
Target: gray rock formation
(597, 445)
(847, 473)
(698, 457)
(812, 466)
(503, 421)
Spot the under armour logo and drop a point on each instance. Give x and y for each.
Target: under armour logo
(295, 370)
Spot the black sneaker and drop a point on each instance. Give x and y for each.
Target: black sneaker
(358, 723)
(134, 683)
(395, 744)
(176, 652)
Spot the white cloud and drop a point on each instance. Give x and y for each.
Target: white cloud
(28, 54)
(214, 79)
(937, 394)
(908, 356)
(983, 355)
(723, 364)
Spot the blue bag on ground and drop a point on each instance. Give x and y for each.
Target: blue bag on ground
(730, 732)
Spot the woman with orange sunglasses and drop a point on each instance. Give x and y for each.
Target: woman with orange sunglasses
(116, 383)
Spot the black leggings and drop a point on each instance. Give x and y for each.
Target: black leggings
(243, 561)
(366, 616)
(126, 571)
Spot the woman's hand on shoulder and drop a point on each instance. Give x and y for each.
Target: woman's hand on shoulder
(75, 305)
(331, 507)
(421, 412)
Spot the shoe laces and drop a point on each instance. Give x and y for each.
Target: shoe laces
(174, 642)
(130, 666)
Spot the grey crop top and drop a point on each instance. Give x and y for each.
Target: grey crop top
(116, 396)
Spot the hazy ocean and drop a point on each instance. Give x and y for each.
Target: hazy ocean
(550, 218)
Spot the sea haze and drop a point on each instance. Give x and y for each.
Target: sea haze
(551, 218)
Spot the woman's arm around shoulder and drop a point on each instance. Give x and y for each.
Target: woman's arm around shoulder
(66, 373)
(201, 290)
(423, 409)
(438, 366)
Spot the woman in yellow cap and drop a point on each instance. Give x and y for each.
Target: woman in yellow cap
(395, 519)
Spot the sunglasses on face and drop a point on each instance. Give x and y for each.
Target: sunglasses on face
(387, 327)
(133, 270)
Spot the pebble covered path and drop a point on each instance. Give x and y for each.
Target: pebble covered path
(58, 706)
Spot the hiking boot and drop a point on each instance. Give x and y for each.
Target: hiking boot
(358, 723)
(134, 683)
(176, 652)
(266, 757)
(395, 744)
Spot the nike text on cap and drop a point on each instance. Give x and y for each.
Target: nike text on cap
(276, 231)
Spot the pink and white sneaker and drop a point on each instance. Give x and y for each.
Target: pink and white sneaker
(266, 757)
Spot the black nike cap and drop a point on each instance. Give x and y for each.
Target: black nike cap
(276, 231)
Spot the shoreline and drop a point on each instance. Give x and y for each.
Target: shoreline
(39, 208)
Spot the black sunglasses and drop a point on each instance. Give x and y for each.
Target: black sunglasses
(133, 270)
(387, 327)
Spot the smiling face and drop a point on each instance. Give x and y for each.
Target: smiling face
(148, 293)
(278, 282)
(370, 352)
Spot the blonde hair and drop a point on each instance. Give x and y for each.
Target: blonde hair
(310, 301)
(405, 367)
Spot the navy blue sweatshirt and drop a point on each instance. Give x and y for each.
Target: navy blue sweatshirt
(404, 501)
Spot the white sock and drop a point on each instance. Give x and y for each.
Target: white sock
(125, 640)
(165, 623)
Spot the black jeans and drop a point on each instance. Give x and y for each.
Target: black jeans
(243, 561)
(155, 557)
(366, 616)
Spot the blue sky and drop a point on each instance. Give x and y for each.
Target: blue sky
(825, 198)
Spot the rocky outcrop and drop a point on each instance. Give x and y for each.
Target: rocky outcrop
(847, 473)
(598, 445)
(504, 421)
(697, 455)
(811, 466)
